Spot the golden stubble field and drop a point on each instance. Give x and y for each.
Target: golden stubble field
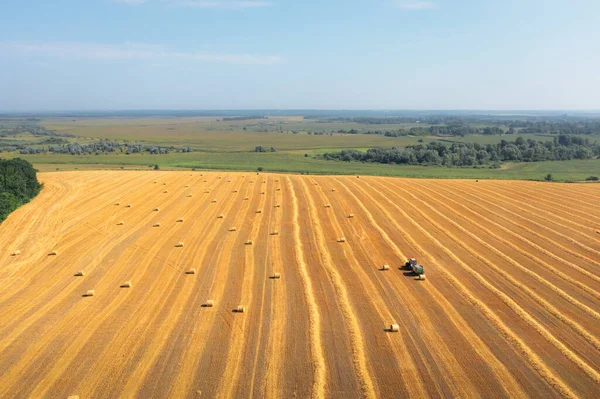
(510, 306)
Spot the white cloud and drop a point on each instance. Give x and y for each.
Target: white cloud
(226, 4)
(222, 4)
(128, 51)
(416, 5)
(131, 2)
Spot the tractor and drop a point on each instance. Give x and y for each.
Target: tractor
(417, 269)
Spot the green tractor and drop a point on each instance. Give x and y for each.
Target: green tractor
(417, 269)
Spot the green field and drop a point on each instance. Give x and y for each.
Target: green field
(226, 145)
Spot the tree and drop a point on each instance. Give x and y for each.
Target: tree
(548, 177)
(18, 185)
(260, 169)
(156, 167)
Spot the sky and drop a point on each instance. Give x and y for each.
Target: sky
(299, 54)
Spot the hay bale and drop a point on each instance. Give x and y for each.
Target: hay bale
(209, 304)
(228, 181)
(53, 253)
(156, 209)
(179, 244)
(264, 181)
(204, 181)
(276, 275)
(117, 203)
(249, 242)
(421, 277)
(341, 239)
(189, 195)
(191, 271)
(165, 192)
(213, 200)
(246, 198)
(262, 192)
(327, 205)
(180, 220)
(187, 185)
(156, 225)
(251, 181)
(278, 189)
(235, 191)
(90, 293)
(164, 184)
(121, 223)
(15, 253)
(258, 211)
(73, 397)
(240, 309)
(274, 233)
(385, 267)
(333, 189)
(394, 328)
(128, 206)
(350, 216)
(126, 284)
(220, 177)
(80, 273)
(277, 206)
(206, 191)
(154, 182)
(232, 229)
(220, 217)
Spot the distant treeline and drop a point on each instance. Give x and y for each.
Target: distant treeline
(33, 129)
(438, 130)
(585, 127)
(18, 185)
(460, 126)
(244, 118)
(562, 148)
(101, 147)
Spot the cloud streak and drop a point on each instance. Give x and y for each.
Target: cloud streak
(128, 51)
(222, 4)
(131, 2)
(416, 5)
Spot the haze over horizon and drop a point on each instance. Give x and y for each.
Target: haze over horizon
(281, 54)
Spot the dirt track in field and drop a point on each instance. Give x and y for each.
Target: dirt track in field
(510, 306)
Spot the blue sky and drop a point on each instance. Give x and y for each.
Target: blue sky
(327, 54)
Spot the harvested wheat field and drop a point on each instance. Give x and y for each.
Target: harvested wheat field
(510, 306)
